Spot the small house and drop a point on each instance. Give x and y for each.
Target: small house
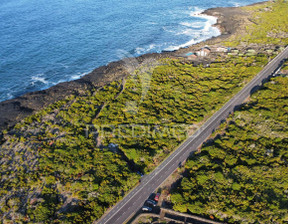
(192, 56)
(205, 51)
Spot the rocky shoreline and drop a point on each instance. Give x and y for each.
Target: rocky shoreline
(230, 20)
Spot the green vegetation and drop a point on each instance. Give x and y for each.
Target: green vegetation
(188, 103)
(73, 160)
(51, 171)
(51, 167)
(242, 175)
(268, 25)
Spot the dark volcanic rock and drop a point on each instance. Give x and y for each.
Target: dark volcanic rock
(12, 111)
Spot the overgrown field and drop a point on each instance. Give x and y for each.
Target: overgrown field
(268, 25)
(73, 160)
(242, 175)
(50, 169)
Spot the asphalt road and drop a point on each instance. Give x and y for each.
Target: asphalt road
(149, 183)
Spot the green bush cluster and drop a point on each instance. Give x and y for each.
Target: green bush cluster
(242, 176)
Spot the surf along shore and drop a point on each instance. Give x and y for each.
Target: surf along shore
(230, 21)
(51, 170)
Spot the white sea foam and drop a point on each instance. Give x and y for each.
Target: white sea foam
(78, 76)
(197, 36)
(74, 77)
(9, 96)
(151, 46)
(39, 78)
(65, 66)
(192, 24)
(59, 81)
(189, 32)
(187, 24)
(141, 50)
(202, 36)
(237, 4)
(210, 20)
(196, 11)
(173, 48)
(213, 32)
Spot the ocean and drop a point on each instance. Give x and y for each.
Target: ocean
(43, 43)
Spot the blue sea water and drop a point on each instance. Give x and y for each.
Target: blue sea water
(45, 42)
